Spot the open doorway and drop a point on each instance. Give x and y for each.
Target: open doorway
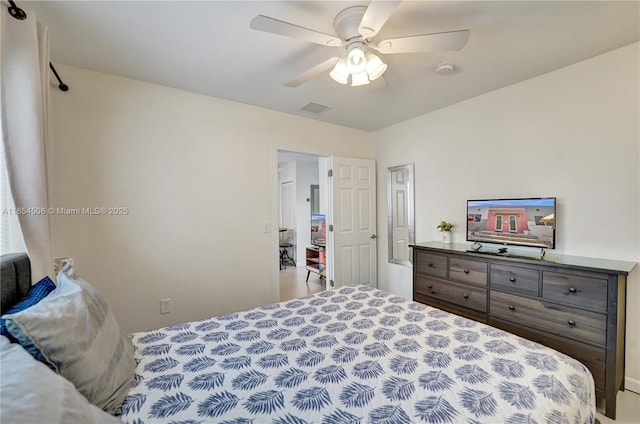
(301, 194)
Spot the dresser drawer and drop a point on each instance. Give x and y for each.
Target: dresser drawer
(562, 320)
(591, 356)
(460, 294)
(472, 272)
(514, 279)
(583, 291)
(429, 264)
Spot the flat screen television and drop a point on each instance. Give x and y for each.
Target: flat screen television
(518, 222)
(318, 230)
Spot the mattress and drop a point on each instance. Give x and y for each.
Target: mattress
(351, 355)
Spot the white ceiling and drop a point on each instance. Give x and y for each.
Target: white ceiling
(207, 47)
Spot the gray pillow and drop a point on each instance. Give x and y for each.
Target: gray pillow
(74, 332)
(32, 393)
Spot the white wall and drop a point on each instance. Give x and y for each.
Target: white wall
(197, 175)
(573, 133)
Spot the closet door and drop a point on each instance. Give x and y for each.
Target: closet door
(353, 241)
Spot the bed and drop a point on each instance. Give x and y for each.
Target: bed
(350, 355)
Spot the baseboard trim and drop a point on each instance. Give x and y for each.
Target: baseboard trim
(632, 384)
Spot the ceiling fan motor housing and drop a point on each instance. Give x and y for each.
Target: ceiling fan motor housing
(347, 21)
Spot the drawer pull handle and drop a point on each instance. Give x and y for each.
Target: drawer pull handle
(430, 264)
(430, 286)
(466, 271)
(466, 296)
(512, 308)
(572, 290)
(571, 323)
(433, 292)
(512, 279)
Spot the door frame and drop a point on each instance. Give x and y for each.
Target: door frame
(275, 209)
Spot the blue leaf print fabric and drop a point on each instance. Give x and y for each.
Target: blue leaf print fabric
(357, 395)
(353, 355)
(218, 404)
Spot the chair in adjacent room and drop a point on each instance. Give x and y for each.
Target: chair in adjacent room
(284, 250)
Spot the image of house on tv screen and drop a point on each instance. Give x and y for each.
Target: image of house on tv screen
(524, 222)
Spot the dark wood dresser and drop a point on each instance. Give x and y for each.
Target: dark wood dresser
(573, 304)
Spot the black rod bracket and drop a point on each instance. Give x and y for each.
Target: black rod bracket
(62, 86)
(16, 12)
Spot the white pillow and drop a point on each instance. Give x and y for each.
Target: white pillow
(32, 393)
(74, 332)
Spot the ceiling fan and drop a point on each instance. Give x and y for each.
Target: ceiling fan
(356, 28)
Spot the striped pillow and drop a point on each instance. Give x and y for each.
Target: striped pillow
(74, 332)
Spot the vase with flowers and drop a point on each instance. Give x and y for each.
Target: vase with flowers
(446, 228)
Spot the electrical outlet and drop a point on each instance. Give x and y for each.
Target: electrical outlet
(165, 306)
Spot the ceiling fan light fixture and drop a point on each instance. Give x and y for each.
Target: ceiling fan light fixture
(356, 60)
(375, 66)
(359, 79)
(340, 73)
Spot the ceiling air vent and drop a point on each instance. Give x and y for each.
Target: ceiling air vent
(315, 108)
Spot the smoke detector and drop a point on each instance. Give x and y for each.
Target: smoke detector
(445, 68)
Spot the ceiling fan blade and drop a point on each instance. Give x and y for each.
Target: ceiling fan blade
(375, 17)
(313, 72)
(267, 24)
(442, 41)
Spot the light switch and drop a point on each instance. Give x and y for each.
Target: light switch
(165, 306)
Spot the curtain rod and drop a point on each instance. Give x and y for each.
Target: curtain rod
(20, 14)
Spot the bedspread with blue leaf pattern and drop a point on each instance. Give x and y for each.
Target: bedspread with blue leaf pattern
(351, 355)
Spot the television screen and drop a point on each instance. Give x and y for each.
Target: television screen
(521, 222)
(318, 230)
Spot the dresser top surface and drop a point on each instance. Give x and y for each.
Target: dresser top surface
(491, 252)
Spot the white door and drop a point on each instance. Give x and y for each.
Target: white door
(288, 216)
(287, 205)
(352, 213)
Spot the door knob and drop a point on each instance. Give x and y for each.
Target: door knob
(373, 236)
